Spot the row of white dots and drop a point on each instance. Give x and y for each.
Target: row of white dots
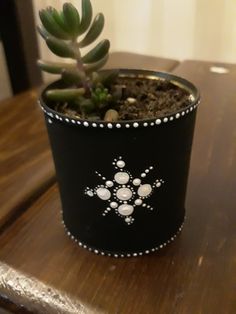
(123, 255)
(118, 125)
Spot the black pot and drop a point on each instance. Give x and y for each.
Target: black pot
(123, 184)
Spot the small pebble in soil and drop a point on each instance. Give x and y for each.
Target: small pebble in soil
(131, 100)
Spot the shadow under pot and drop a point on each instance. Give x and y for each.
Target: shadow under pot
(123, 184)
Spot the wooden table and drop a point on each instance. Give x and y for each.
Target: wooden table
(26, 164)
(43, 270)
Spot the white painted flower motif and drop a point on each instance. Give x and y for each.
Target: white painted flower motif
(124, 193)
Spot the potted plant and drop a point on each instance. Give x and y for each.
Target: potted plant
(121, 140)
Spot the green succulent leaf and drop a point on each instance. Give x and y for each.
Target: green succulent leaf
(86, 105)
(50, 25)
(89, 68)
(54, 67)
(59, 19)
(72, 76)
(94, 31)
(98, 52)
(95, 78)
(101, 96)
(60, 48)
(87, 14)
(43, 32)
(65, 94)
(108, 77)
(72, 19)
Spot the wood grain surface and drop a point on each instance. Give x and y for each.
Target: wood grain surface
(138, 61)
(25, 157)
(196, 274)
(26, 164)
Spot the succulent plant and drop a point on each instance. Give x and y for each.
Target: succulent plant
(86, 89)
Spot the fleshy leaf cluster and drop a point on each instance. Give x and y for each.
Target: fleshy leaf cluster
(66, 33)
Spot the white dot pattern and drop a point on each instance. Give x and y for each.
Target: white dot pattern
(116, 255)
(119, 125)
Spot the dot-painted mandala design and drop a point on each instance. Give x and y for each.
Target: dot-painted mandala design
(124, 193)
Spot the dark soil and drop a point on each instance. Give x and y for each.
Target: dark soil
(142, 99)
(154, 98)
